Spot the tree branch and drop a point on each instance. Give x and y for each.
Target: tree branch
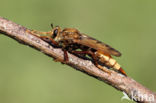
(126, 84)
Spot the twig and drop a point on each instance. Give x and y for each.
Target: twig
(126, 84)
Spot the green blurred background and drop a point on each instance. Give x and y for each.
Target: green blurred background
(28, 76)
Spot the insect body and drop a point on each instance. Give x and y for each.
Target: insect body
(70, 39)
(109, 61)
(101, 58)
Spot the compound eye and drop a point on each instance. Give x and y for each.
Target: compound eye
(55, 33)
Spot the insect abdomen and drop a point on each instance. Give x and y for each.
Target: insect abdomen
(110, 62)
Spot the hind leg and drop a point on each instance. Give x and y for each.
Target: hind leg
(95, 61)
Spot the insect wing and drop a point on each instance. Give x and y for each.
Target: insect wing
(95, 44)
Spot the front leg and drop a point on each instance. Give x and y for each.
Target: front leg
(46, 36)
(65, 55)
(66, 59)
(39, 33)
(49, 40)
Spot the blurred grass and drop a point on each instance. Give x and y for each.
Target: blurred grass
(28, 76)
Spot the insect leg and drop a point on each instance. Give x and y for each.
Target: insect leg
(95, 61)
(80, 52)
(38, 33)
(45, 37)
(51, 40)
(66, 59)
